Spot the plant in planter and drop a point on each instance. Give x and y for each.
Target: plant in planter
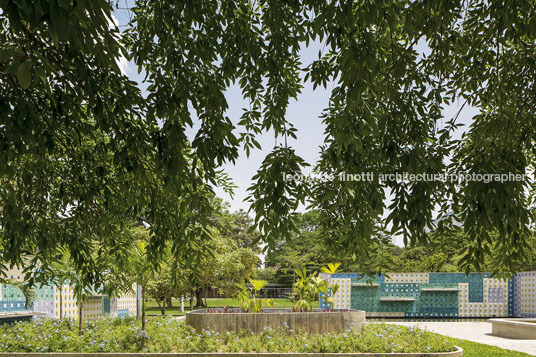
(307, 288)
(331, 268)
(248, 296)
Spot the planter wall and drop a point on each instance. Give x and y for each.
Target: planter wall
(317, 322)
(514, 328)
(457, 353)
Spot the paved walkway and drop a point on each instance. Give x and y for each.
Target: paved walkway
(474, 331)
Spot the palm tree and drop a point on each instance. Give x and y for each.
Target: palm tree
(81, 292)
(142, 271)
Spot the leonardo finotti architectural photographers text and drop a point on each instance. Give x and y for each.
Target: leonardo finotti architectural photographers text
(406, 177)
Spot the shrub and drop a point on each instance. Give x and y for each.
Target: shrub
(248, 296)
(169, 335)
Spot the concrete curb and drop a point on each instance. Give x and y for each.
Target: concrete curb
(457, 353)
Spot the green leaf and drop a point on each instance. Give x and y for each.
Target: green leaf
(331, 268)
(6, 54)
(258, 284)
(24, 75)
(334, 289)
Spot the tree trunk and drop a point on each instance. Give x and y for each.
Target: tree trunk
(169, 302)
(199, 298)
(80, 307)
(206, 293)
(142, 309)
(61, 300)
(162, 307)
(192, 300)
(137, 303)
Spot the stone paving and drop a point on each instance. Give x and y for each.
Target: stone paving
(473, 331)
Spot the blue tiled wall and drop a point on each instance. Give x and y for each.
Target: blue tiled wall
(439, 294)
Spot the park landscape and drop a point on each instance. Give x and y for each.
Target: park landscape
(267, 177)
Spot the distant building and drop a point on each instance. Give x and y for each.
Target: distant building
(47, 302)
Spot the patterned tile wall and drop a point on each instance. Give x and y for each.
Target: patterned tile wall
(437, 294)
(48, 301)
(342, 298)
(525, 294)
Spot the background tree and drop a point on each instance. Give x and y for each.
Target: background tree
(309, 248)
(238, 227)
(231, 264)
(140, 268)
(167, 283)
(267, 274)
(81, 292)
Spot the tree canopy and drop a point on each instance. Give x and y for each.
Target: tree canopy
(232, 256)
(83, 152)
(309, 248)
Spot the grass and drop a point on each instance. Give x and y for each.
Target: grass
(473, 349)
(151, 307)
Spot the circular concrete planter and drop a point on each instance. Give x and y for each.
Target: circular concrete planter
(457, 353)
(318, 322)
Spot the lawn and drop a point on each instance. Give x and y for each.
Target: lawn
(151, 307)
(473, 349)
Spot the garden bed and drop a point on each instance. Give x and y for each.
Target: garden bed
(315, 322)
(166, 335)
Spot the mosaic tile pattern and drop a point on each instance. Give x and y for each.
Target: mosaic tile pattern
(44, 300)
(126, 304)
(525, 294)
(511, 297)
(342, 298)
(437, 294)
(420, 278)
(48, 301)
(495, 295)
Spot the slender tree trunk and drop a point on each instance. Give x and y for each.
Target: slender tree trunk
(60, 288)
(137, 303)
(199, 298)
(192, 300)
(80, 308)
(142, 309)
(206, 293)
(169, 302)
(61, 302)
(164, 307)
